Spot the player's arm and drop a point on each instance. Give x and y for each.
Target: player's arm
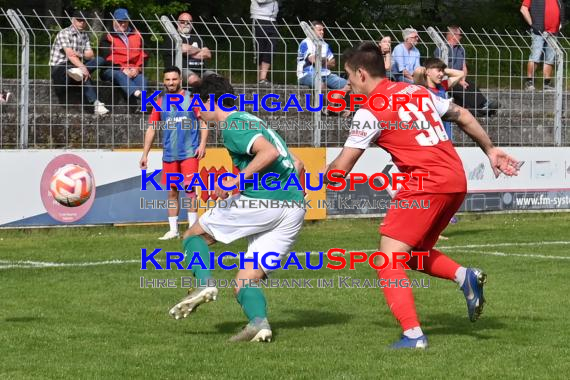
(500, 161)
(454, 77)
(345, 161)
(149, 138)
(201, 152)
(360, 137)
(299, 165)
(264, 154)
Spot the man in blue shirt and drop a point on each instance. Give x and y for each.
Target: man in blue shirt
(406, 57)
(465, 93)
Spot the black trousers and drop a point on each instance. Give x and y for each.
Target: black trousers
(470, 98)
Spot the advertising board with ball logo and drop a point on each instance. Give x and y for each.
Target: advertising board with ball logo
(67, 188)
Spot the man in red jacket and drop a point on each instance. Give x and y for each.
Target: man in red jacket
(123, 51)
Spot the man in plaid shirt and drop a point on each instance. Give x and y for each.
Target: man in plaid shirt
(72, 60)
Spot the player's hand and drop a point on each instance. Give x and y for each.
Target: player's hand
(201, 151)
(501, 162)
(223, 194)
(464, 84)
(143, 162)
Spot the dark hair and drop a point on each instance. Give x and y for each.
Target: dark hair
(317, 22)
(172, 69)
(434, 63)
(366, 56)
(217, 85)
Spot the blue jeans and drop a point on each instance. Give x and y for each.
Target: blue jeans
(399, 77)
(333, 81)
(60, 78)
(128, 85)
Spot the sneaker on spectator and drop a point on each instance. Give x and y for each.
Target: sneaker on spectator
(100, 108)
(529, 86)
(264, 82)
(76, 74)
(548, 87)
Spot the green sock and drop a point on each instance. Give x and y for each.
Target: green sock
(197, 244)
(252, 302)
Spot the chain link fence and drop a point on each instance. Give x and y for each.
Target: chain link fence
(40, 114)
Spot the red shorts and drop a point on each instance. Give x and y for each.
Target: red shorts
(187, 167)
(417, 227)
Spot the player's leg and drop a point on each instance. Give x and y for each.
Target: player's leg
(195, 243)
(173, 209)
(437, 264)
(188, 168)
(279, 237)
(400, 300)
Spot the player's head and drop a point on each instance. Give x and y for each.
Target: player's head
(172, 79)
(364, 65)
(453, 35)
(185, 23)
(411, 36)
(319, 28)
(217, 86)
(435, 69)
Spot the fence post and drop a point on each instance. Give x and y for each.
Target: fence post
(553, 43)
(167, 24)
(440, 43)
(24, 76)
(318, 90)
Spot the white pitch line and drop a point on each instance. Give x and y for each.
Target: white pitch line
(563, 242)
(503, 254)
(4, 264)
(7, 264)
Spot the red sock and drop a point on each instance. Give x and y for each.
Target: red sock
(437, 264)
(400, 300)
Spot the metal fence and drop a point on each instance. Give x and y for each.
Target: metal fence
(41, 115)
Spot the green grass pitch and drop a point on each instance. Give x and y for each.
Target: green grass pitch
(94, 321)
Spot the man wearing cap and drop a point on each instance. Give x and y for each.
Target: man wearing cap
(406, 57)
(122, 49)
(72, 60)
(194, 54)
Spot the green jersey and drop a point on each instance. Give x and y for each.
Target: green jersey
(239, 133)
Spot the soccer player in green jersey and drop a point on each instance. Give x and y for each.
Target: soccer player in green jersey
(253, 149)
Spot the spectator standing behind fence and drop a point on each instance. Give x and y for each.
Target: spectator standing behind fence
(406, 57)
(72, 61)
(123, 50)
(543, 17)
(431, 75)
(385, 46)
(264, 14)
(194, 54)
(465, 93)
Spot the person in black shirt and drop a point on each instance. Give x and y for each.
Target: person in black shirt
(194, 54)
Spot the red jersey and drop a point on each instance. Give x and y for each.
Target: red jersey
(551, 15)
(423, 148)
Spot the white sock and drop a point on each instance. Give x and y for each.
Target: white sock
(192, 218)
(414, 333)
(173, 221)
(460, 275)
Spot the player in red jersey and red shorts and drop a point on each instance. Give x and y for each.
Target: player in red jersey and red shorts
(416, 150)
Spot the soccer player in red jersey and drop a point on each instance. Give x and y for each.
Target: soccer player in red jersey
(427, 150)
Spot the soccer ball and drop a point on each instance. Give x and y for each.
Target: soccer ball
(71, 185)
